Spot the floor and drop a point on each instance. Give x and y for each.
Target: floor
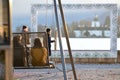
(83, 72)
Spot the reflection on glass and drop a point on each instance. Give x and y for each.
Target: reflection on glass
(4, 22)
(21, 50)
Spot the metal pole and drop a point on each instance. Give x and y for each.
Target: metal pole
(60, 42)
(67, 39)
